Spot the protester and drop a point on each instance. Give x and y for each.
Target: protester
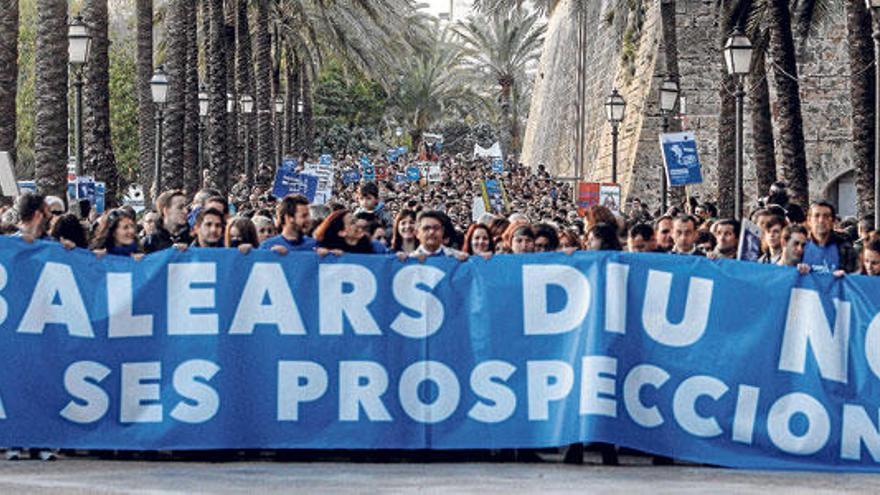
(684, 234)
(827, 251)
(265, 228)
(478, 240)
(521, 238)
(241, 233)
(117, 235)
(640, 239)
(368, 199)
(429, 230)
(569, 240)
(68, 228)
(209, 228)
(871, 258)
(368, 224)
(172, 227)
(149, 223)
(794, 238)
(403, 236)
(726, 234)
(771, 239)
(663, 231)
(706, 242)
(339, 233)
(546, 238)
(292, 217)
(34, 216)
(603, 237)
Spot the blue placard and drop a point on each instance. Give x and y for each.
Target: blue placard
(27, 186)
(325, 160)
(289, 163)
(400, 178)
(289, 182)
(100, 190)
(716, 362)
(497, 165)
(369, 172)
(680, 158)
(413, 173)
(350, 177)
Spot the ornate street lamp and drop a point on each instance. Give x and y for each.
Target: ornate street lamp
(669, 92)
(203, 112)
(615, 108)
(79, 47)
(279, 114)
(738, 56)
(246, 102)
(159, 90)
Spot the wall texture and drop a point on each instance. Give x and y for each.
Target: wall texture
(629, 54)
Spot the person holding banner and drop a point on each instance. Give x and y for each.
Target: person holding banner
(339, 233)
(772, 241)
(117, 236)
(794, 238)
(241, 234)
(431, 232)
(210, 226)
(684, 233)
(827, 251)
(726, 232)
(871, 258)
(293, 218)
(34, 216)
(172, 227)
(478, 240)
(403, 238)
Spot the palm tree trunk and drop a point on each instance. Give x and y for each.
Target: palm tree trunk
(50, 87)
(726, 170)
(308, 122)
(264, 82)
(234, 147)
(98, 154)
(506, 124)
(144, 71)
(217, 131)
(292, 95)
(192, 173)
(762, 125)
(244, 72)
(175, 108)
(861, 56)
(9, 75)
(790, 119)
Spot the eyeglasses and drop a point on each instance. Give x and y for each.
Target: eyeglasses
(56, 212)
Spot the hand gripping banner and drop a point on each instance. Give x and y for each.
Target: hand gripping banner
(725, 362)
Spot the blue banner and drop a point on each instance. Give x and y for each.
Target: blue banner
(497, 166)
(680, 158)
(350, 177)
(287, 181)
(718, 362)
(413, 173)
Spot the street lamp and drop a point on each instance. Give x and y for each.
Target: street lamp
(203, 112)
(247, 108)
(79, 47)
(738, 56)
(874, 7)
(615, 107)
(669, 92)
(159, 90)
(398, 131)
(230, 103)
(279, 114)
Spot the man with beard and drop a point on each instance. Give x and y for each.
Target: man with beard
(210, 225)
(34, 216)
(293, 219)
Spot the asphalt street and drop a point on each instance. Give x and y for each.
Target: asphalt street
(636, 475)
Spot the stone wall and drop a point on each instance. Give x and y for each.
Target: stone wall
(550, 133)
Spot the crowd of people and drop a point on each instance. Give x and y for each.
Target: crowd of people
(421, 219)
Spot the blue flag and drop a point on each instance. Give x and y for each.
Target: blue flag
(289, 182)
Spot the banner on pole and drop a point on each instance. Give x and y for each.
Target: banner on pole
(289, 182)
(680, 158)
(596, 193)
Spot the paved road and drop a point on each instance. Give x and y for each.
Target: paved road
(103, 476)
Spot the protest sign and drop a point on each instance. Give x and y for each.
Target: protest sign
(369, 172)
(680, 158)
(596, 193)
(412, 173)
(381, 172)
(100, 190)
(478, 208)
(27, 186)
(497, 166)
(289, 163)
(135, 198)
(324, 173)
(494, 196)
(325, 160)
(435, 173)
(715, 362)
(400, 178)
(493, 151)
(289, 182)
(749, 241)
(350, 177)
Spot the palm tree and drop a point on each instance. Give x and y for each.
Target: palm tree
(50, 86)
(503, 51)
(217, 131)
(790, 120)
(175, 108)
(762, 124)
(861, 58)
(244, 79)
(98, 154)
(264, 81)
(729, 16)
(9, 75)
(192, 174)
(144, 71)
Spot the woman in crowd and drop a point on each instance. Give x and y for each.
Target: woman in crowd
(117, 235)
(521, 238)
(478, 240)
(67, 227)
(603, 237)
(339, 233)
(546, 238)
(265, 227)
(772, 241)
(403, 238)
(241, 232)
(569, 240)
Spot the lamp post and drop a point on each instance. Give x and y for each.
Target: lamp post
(398, 131)
(874, 7)
(79, 47)
(738, 56)
(615, 107)
(159, 90)
(669, 92)
(300, 133)
(203, 112)
(279, 113)
(247, 108)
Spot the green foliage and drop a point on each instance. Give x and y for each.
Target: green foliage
(25, 102)
(124, 108)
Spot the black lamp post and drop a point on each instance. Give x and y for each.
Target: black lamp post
(159, 90)
(738, 56)
(203, 112)
(247, 108)
(279, 114)
(615, 108)
(669, 92)
(79, 48)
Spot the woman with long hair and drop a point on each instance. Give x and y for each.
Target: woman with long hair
(403, 238)
(339, 233)
(117, 235)
(241, 232)
(520, 238)
(67, 227)
(603, 237)
(478, 240)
